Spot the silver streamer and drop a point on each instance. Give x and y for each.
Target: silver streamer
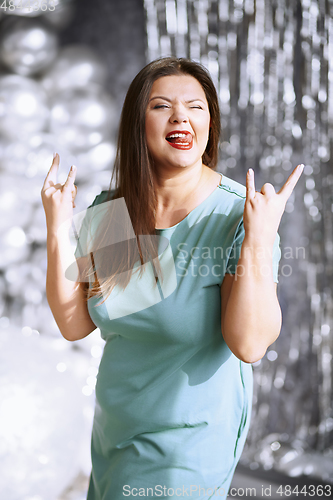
(272, 63)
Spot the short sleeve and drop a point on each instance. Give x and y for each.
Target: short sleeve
(236, 250)
(83, 221)
(83, 236)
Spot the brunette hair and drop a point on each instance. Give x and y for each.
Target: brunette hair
(133, 171)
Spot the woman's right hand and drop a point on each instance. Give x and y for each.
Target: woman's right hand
(58, 199)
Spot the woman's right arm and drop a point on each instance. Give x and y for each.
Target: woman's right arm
(65, 297)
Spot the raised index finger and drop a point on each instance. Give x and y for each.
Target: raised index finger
(51, 177)
(291, 182)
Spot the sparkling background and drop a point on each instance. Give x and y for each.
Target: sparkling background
(272, 63)
(63, 78)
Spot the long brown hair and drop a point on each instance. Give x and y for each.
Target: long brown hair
(133, 172)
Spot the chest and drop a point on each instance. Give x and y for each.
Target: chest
(165, 219)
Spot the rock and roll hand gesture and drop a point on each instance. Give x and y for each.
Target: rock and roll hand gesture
(58, 199)
(263, 210)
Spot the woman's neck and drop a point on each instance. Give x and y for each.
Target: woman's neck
(172, 191)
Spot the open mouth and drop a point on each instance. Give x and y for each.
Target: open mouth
(180, 139)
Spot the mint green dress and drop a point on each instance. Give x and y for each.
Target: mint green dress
(173, 402)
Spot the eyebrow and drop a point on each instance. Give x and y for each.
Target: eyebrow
(169, 100)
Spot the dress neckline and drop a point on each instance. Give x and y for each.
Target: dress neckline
(195, 208)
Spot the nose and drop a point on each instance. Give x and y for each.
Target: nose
(178, 115)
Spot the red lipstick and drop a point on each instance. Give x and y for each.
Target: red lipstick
(180, 139)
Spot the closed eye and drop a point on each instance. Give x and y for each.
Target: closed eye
(158, 106)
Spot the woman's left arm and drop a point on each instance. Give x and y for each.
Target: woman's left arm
(250, 312)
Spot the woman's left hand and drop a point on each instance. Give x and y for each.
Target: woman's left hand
(263, 210)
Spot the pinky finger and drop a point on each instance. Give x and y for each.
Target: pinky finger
(250, 186)
(71, 178)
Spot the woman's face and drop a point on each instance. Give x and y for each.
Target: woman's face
(177, 122)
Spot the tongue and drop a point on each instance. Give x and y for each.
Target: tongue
(184, 140)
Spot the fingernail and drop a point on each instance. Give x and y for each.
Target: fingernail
(250, 171)
(54, 155)
(300, 167)
(73, 168)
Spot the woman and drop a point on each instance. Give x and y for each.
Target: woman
(174, 388)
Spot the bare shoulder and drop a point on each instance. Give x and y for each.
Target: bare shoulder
(212, 176)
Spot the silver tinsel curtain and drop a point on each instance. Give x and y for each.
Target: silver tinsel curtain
(272, 63)
(63, 76)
